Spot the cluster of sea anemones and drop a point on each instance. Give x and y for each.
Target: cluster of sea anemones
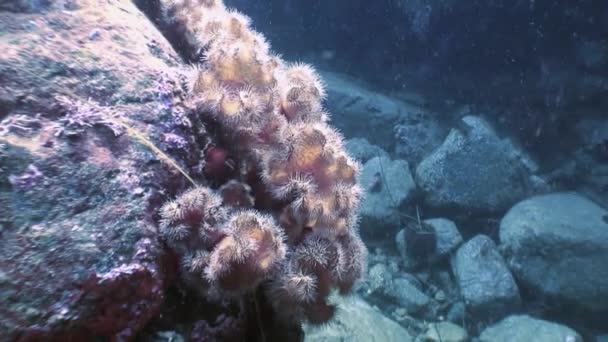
(298, 237)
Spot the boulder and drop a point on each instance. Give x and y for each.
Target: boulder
(358, 322)
(557, 245)
(475, 170)
(526, 328)
(362, 150)
(358, 111)
(388, 185)
(486, 284)
(417, 136)
(80, 258)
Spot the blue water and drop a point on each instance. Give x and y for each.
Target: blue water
(391, 170)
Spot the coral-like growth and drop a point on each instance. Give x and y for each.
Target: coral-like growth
(317, 265)
(192, 225)
(252, 250)
(296, 238)
(221, 252)
(301, 94)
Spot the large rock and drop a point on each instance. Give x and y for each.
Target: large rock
(417, 136)
(557, 245)
(360, 112)
(388, 185)
(362, 150)
(358, 322)
(79, 255)
(526, 328)
(487, 286)
(475, 170)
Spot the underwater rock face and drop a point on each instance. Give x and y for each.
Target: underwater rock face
(388, 184)
(526, 328)
(78, 251)
(357, 321)
(487, 286)
(475, 169)
(557, 244)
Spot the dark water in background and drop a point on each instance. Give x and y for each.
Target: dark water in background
(536, 70)
(523, 58)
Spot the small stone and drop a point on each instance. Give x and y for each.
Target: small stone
(94, 34)
(447, 235)
(393, 266)
(408, 296)
(400, 314)
(456, 313)
(379, 278)
(440, 296)
(440, 239)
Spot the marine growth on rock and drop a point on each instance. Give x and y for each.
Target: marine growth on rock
(286, 222)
